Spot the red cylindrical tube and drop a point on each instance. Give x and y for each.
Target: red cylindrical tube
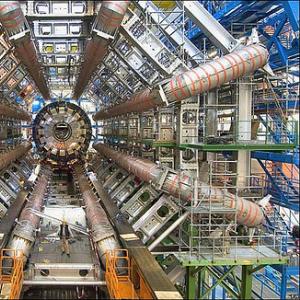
(109, 18)
(196, 81)
(140, 102)
(36, 202)
(110, 15)
(13, 21)
(102, 230)
(8, 157)
(215, 73)
(11, 111)
(180, 186)
(142, 168)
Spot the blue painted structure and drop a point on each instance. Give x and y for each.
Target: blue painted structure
(263, 14)
(37, 104)
(289, 104)
(283, 189)
(278, 279)
(271, 19)
(289, 157)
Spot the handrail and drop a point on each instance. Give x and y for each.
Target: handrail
(117, 275)
(11, 271)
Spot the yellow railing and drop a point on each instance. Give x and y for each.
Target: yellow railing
(117, 275)
(11, 273)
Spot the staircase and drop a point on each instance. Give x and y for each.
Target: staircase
(286, 184)
(272, 277)
(283, 279)
(279, 130)
(276, 222)
(285, 190)
(276, 120)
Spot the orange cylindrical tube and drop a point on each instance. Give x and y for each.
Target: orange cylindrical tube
(180, 186)
(247, 212)
(11, 111)
(8, 157)
(196, 81)
(215, 73)
(109, 18)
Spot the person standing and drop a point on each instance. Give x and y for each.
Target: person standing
(64, 235)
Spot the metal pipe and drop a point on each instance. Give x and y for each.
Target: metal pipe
(181, 186)
(108, 20)
(12, 111)
(168, 231)
(15, 24)
(6, 158)
(23, 235)
(102, 231)
(194, 82)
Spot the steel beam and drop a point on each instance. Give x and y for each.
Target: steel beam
(190, 283)
(246, 287)
(243, 168)
(212, 29)
(289, 158)
(168, 231)
(217, 282)
(170, 29)
(193, 82)
(64, 283)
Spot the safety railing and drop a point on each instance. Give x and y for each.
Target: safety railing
(224, 247)
(258, 131)
(117, 275)
(212, 231)
(11, 273)
(285, 177)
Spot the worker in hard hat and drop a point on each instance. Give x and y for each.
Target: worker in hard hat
(64, 235)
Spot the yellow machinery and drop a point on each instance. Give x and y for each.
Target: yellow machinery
(11, 274)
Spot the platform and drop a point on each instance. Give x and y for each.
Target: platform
(48, 263)
(240, 255)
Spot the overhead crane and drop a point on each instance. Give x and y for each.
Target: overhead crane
(130, 152)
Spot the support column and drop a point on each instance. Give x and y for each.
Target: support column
(246, 284)
(212, 119)
(244, 131)
(211, 129)
(190, 283)
(202, 278)
(283, 283)
(187, 133)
